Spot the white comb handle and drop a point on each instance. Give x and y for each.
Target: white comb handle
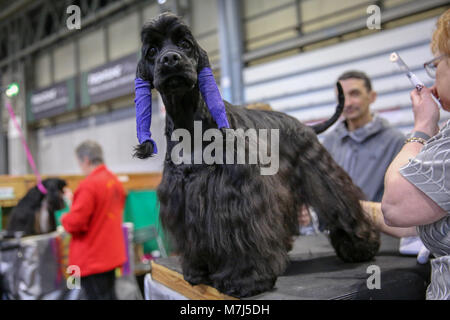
(415, 81)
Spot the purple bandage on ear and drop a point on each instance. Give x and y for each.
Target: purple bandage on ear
(143, 103)
(211, 95)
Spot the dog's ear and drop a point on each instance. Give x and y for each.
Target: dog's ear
(143, 71)
(143, 102)
(143, 85)
(209, 91)
(203, 59)
(144, 150)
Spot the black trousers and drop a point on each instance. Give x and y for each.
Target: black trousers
(100, 286)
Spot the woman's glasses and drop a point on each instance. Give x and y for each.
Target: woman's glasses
(431, 66)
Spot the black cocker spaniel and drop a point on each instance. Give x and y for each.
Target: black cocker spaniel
(232, 225)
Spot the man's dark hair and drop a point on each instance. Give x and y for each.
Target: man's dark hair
(354, 74)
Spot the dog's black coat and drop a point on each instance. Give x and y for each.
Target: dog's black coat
(232, 226)
(23, 216)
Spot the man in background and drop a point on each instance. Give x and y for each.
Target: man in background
(363, 144)
(95, 223)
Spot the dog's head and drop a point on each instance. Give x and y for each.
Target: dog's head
(170, 55)
(55, 191)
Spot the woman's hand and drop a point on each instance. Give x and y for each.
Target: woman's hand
(426, 111)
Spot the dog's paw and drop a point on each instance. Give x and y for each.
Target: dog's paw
(244, 288)
(194, 280)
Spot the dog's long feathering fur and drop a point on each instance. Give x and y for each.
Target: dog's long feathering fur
(232, 226)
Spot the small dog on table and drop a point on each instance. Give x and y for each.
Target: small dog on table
(35, 212)
(233, 226)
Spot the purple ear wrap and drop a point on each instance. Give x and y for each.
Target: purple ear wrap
(143, 103)
(211, 95)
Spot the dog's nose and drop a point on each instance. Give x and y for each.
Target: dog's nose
(171, 59)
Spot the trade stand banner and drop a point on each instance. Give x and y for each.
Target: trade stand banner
(51, 101)
(108, 81)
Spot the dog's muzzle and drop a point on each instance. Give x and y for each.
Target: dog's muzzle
(170, 59)
(174, 71)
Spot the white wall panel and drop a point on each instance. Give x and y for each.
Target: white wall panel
(382, 41)
(393, 3)
(204, 16)
(265, 41)
(92, 50)
(42, 72)
(124, 36)
(327, 76)
(64, 61)
(252, 7)
(205, 24)
(274, 21)
(314, 9)
(271, 27)
(150, 12)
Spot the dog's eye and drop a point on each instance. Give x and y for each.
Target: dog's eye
(151, 52)
(185, 44)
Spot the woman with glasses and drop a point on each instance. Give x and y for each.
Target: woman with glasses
(417, 183)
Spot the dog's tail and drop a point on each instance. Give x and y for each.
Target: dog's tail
(321, 127)
(329, 190)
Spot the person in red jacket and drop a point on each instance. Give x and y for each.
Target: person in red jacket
(97, 245)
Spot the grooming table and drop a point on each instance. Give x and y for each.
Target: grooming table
(315, 272)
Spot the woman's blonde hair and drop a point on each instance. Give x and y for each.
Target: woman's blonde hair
(440, 43)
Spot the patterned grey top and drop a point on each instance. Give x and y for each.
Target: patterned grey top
(429, 171)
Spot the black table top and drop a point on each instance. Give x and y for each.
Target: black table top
(315, 272)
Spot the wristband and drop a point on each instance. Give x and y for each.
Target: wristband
(416, 139)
